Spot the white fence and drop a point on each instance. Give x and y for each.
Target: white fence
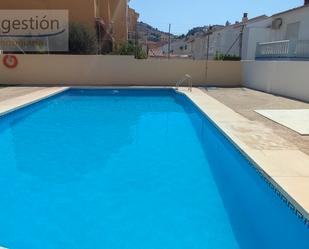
(287, 49)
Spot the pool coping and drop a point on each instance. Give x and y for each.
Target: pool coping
(273, 161)
(13, 104)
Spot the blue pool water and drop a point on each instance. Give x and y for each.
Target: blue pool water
(132, 169)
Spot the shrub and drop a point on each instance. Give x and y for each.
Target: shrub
(222, 57)
(231, 58)
(82, 40)
(128, 48)
(141, 54)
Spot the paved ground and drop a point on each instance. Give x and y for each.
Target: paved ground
(245, 101)
(12, 92)
(12, 98)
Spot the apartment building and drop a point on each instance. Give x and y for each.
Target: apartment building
(225, 40)
(110, 19)
(199, 43)
(132, 24)
(284, 35)
(178, 48)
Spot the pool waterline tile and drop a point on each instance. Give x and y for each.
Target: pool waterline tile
(285, 165)
(297, 187)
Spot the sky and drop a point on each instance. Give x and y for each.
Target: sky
(185, 14)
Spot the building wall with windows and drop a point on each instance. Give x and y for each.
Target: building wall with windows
(81, 11)
(289, 25)
(199, 44)
(111, 12)
(198, 47)
(294, 25)
(225, 40)
(132, 20)
(178, 48)
(118, 17)
(132, 24)
(221, 41)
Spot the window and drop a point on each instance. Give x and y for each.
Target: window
(292, 31)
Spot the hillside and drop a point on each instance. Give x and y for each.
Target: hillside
(152, 34)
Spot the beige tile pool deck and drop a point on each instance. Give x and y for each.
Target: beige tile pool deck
(12, 92)
(245, 102)
(23, 96)
(281, 161)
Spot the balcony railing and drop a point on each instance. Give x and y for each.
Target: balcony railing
(298, 50)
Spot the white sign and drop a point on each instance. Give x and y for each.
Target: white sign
(34, 30)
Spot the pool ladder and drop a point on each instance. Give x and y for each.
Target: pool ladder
(186, 78)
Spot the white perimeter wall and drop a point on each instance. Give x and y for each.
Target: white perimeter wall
(116, 70)
(285, 78)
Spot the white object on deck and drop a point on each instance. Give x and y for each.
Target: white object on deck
(296, 119)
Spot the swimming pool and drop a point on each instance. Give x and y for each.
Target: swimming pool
(132, 169)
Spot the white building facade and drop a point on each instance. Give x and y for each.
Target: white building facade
(181, 48)
(283, 35)
(226, 40)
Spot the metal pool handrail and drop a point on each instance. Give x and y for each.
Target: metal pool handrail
(188, 78)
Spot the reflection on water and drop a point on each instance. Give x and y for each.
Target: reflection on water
(63, 139)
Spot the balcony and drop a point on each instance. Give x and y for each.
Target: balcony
(283, 50)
